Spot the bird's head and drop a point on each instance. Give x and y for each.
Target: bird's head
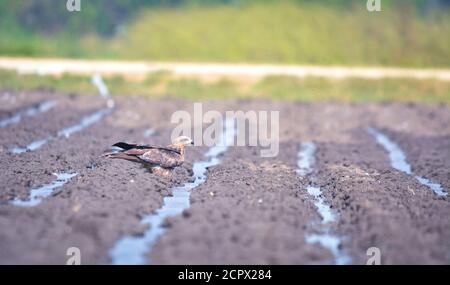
(183, 140)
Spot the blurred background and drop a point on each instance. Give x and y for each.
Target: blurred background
(407, 33)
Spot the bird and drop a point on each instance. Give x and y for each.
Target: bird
(160, 160)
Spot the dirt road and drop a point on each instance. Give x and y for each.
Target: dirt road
(211, 71)
(248, 209)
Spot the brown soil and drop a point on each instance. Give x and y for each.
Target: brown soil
(250, 209)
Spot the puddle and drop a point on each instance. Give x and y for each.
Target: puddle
(399, 162)
(103, 90)
(31, 147)
(305, 166)
(37, 194)
(66, 132)
(85, 123)
(136, 250)
(306, 158)
(149, 132)
(324, 209)
(332, 243)
(396, 155)
(29, 112)
(97, 80)
(436, 187)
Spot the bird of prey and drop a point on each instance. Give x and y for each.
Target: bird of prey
(160, 159)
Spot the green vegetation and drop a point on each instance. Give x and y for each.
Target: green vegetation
(278, 88)
(355, 90)
(66, 83)
(406, 33)
(409, 33)
(288, 33)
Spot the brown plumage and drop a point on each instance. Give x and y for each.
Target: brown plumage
(160, 159)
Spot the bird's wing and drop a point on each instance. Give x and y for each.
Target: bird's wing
(162, 157)
(130, 147)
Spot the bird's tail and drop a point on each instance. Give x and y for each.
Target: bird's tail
(124, 145)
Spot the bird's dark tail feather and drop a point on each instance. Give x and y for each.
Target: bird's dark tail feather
(125, 146)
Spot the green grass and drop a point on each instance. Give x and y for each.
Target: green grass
(277, 32)
(277, 88)
(66, 83)
(288, 33)
(354, 90)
